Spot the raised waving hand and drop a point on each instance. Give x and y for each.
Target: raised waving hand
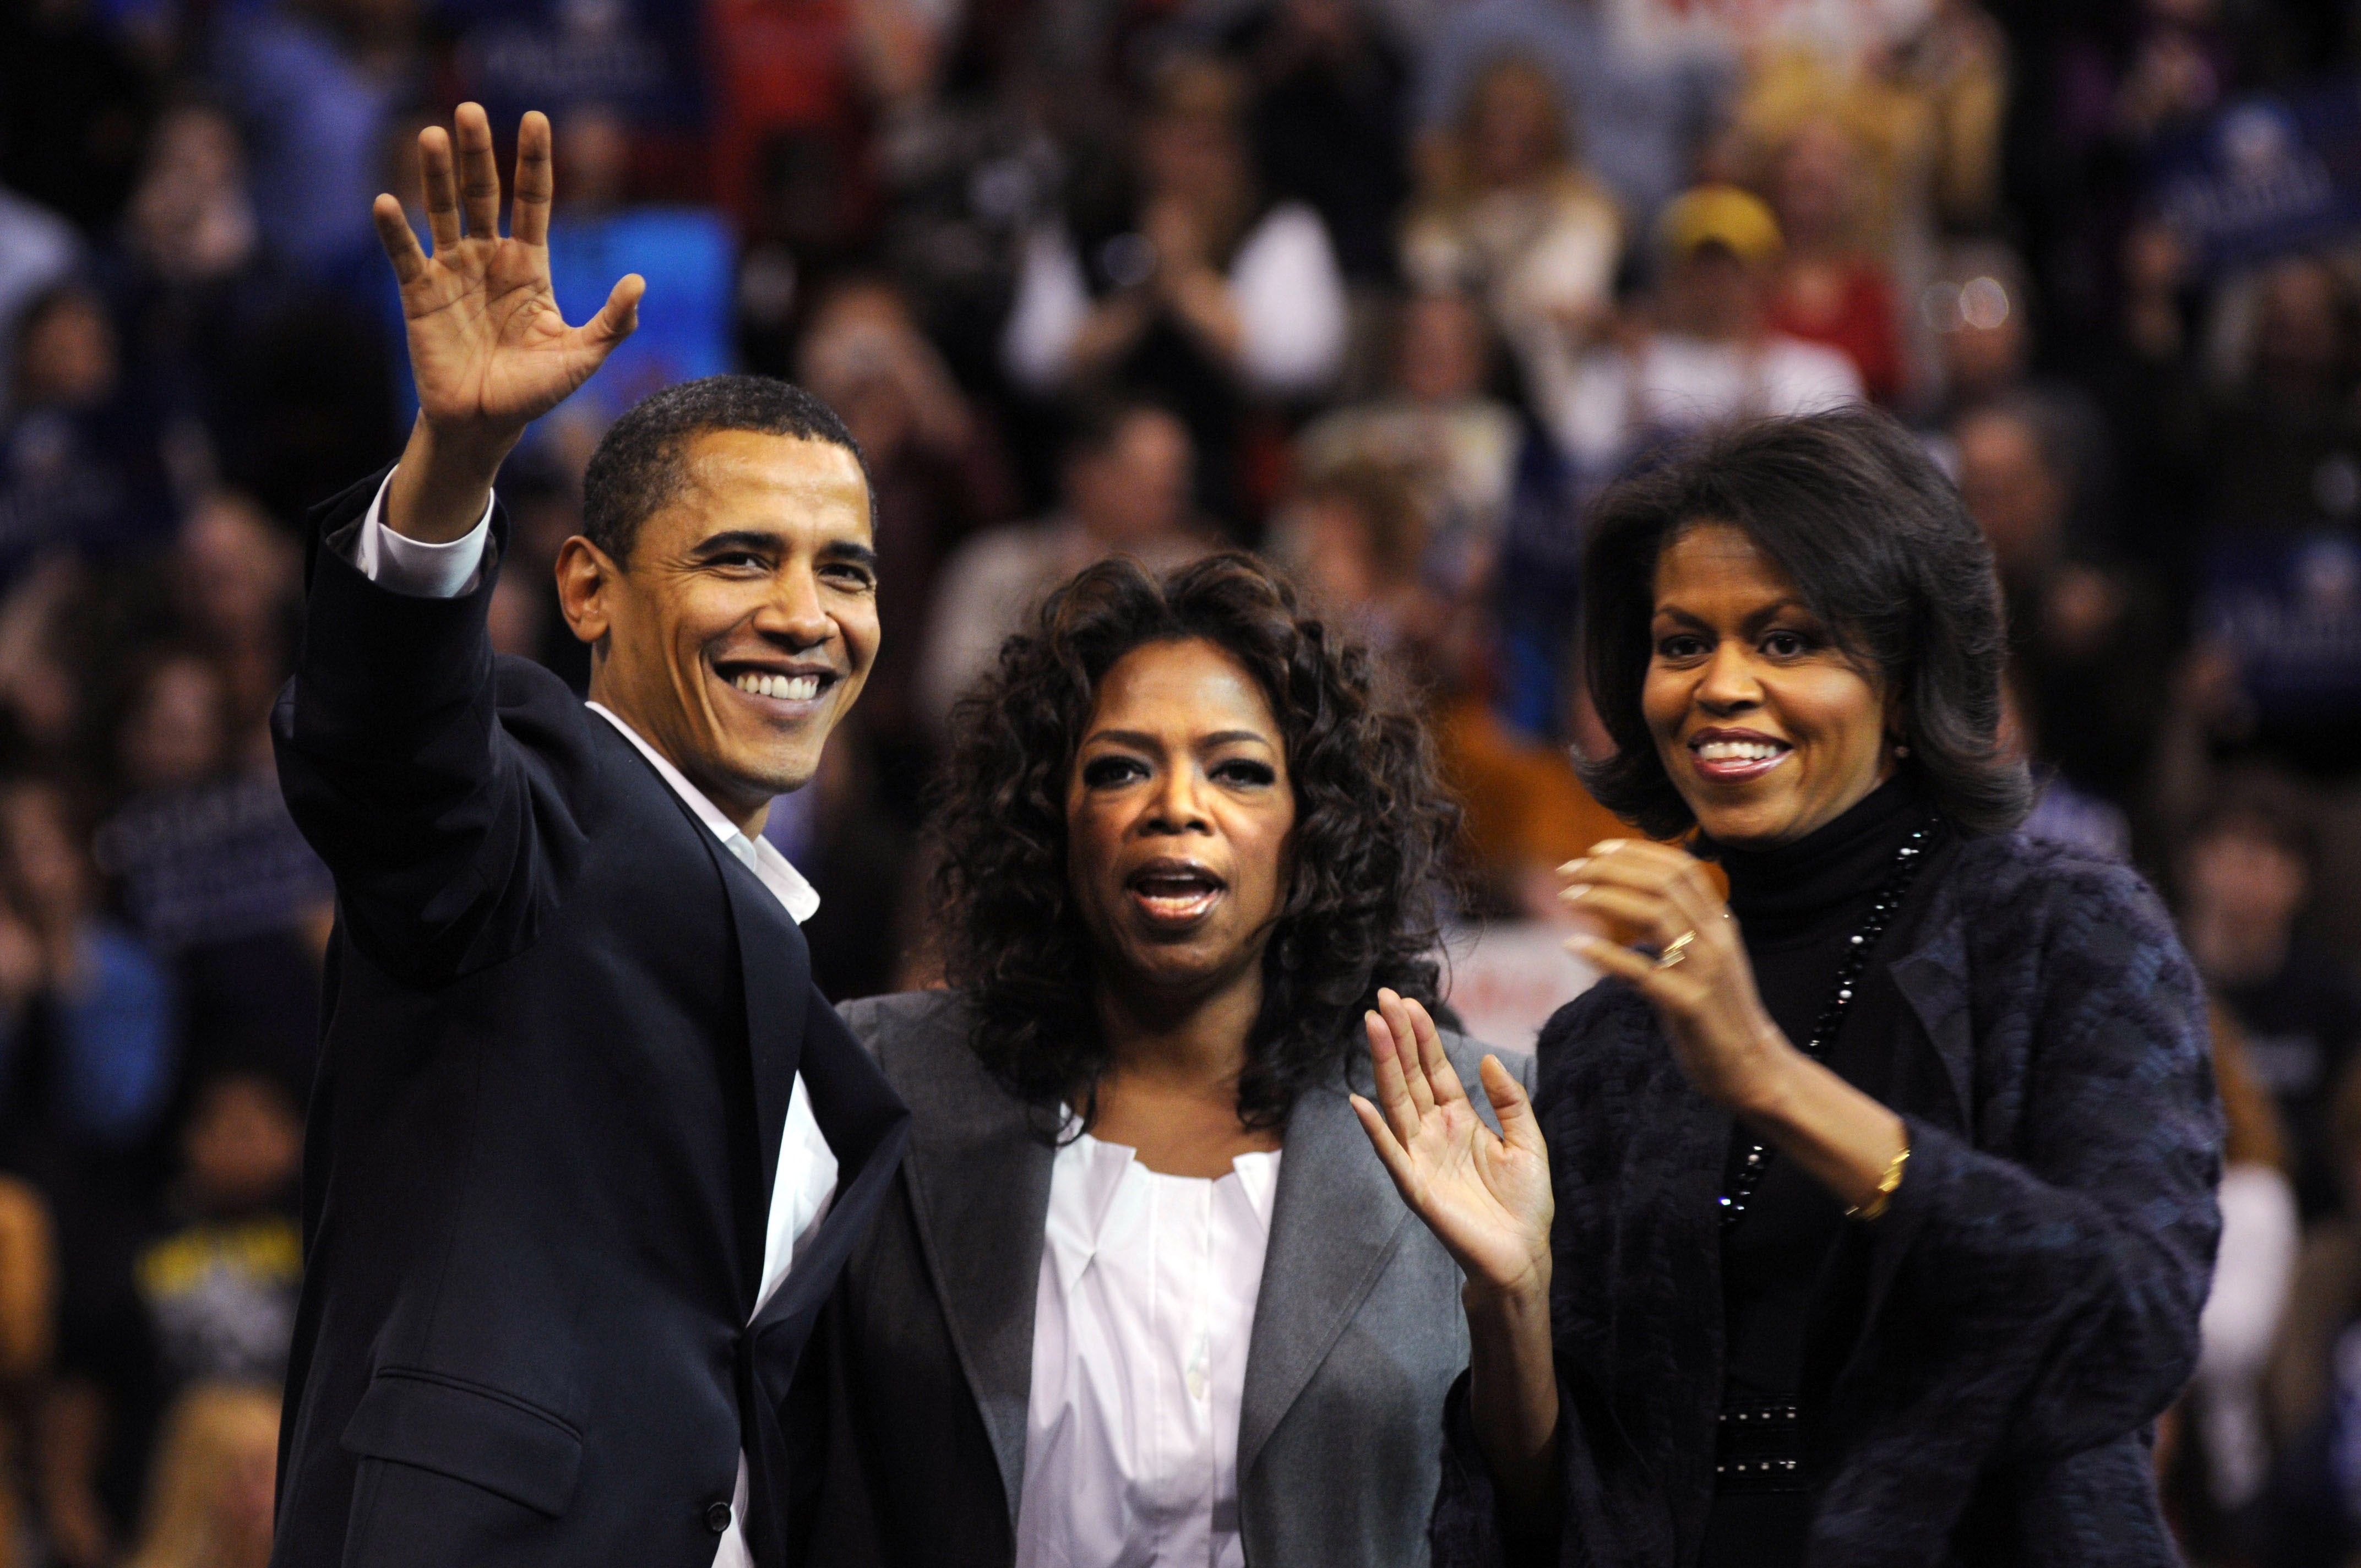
(489, 348)
(1485, 1196)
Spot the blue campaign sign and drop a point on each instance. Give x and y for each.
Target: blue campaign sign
(2264, 176)
(2289, 607)
(639, 59)
(687, 256)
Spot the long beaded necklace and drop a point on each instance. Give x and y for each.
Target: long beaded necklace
(1749, 1171)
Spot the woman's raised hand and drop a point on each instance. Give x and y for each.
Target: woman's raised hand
(1697, 976)
(488, 347)
(1485, 1196)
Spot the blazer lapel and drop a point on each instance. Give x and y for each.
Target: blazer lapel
(775, 966)
(979, 1181)
(1336, 1221)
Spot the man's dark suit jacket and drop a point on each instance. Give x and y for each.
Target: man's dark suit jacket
(561, 1027)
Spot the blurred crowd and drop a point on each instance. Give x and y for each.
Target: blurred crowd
(1386, 289)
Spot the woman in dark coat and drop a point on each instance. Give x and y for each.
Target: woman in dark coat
(1882, 1194)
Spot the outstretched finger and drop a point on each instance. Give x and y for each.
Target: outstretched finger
(529, 217)
(400, 242)
(1440, 1073)
(480, 172)
(1386, 1065)
(1390, 1153)
(441, 187)
(1520, 1128)
(1421, 1091)
(620, 316)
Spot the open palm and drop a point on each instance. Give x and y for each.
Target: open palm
(1485, 1196)
(488, 346)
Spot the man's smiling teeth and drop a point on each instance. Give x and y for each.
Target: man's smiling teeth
(787, 688)
(1738, 751)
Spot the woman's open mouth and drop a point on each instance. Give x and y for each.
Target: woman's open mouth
(1174, 892)
(1731, 759)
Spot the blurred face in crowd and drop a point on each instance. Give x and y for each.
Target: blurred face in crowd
(1716, 294)
(1979, 333)
(174, 733)
(744, 623)
(1178, 815)
(1767, 727)
(1812, 187)
(1514, 125)
(1134, 491)
(2012, 492)
(67, 355)
(46, 870)
(2300, 331)
(243, 1144)
(233, 571)
(2240, 877)
(593, 159)
(1333, 546)
(1441, 357)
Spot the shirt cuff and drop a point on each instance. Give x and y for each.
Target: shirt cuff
(412, 567)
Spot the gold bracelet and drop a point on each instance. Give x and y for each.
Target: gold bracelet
(1875, 1208)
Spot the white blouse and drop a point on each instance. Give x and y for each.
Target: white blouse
(1145, 1310)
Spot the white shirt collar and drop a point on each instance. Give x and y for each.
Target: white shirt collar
(762, 857)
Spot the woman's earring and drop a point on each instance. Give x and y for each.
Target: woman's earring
(1900, 750)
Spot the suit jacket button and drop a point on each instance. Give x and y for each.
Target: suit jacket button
(716, 1517)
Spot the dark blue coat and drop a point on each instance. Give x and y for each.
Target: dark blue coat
(1996, 1345)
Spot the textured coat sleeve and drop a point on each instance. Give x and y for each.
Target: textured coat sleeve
(396, 766)
(2067, 1259)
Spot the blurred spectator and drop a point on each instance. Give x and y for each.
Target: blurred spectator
(2245, 873)
(1327, 124)
(1456, 441)
(2089, 641)
(937, 472)
(1204, 295)
(2253, 1272)
(209, 1503)
(83, 466)
(1712, 353)
(1643, 111)
(38, 248)
(74, 108)
(1508, 214)
(1832, 290)
(28, 1273)
(91, 1049)
(235, 581)
(313, 82)
(200, 1295)
(1353, 539)
(1126, 492)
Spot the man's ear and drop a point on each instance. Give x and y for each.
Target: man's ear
(587, 576)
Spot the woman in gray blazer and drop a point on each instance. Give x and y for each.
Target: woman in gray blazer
(1143, 1294)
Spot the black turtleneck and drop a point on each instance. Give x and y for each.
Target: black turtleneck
(1797, 907)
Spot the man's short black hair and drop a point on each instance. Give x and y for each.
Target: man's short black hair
(636, 470)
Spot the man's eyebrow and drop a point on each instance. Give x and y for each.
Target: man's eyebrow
(738, 539)
(859, 555)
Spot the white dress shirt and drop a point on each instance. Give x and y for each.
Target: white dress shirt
(1140, 1330)
(807, 1175)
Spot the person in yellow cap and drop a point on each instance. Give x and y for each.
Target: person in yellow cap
(1704, 353)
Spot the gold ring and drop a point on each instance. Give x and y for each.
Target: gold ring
(1675, 950)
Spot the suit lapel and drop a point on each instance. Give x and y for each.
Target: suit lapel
(979, 1180)
(774, 967)
(1336, 1221)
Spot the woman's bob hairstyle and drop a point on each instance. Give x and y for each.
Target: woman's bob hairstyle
(1851, 507)
(1372, 827)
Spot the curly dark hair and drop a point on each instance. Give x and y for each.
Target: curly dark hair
(1372, 827)
(1850, 505)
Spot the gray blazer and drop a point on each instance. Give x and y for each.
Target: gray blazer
(925, 1356)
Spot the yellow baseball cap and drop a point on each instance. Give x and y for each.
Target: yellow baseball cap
(1737, 220)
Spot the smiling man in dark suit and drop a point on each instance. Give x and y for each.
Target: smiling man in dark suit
(588, 1149)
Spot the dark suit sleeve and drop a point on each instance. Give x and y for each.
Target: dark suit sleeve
(2069, 1269)
(448, 839)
